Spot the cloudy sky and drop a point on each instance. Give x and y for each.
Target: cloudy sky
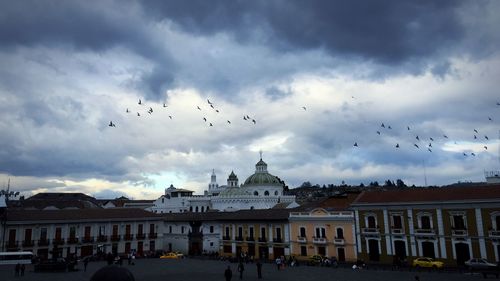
(316, 76)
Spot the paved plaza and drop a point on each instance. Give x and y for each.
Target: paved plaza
(195, 269)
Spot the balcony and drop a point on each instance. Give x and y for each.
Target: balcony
(43, 242)
(128, 237)
(338, 241)
(370, 230)
(58, 241)
(102, 238)
(319, 240)
(262, 239)
(72, 240)
(11, 245)
(153, 235)
(425, 231)
(140, 236)
(459, 232)
(115, 238)
(238, 238)
(494, 233)
(397, 230)
(226, 238)
(88, 239)
(251, 238)
(301, 239)
(28, 243)
(277, 240)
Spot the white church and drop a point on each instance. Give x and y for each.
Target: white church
(259, 191)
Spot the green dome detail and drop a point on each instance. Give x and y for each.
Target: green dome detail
(262, 179)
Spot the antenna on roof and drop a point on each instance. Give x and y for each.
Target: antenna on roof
(260, 152)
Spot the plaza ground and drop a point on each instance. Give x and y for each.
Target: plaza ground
(196, 269)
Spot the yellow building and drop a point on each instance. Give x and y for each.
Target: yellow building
(324, 228)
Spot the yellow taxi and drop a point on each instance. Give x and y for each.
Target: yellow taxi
(427, 262)
(169, 256)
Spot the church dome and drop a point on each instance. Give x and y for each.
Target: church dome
(261, 176)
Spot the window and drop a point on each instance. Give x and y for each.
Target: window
(425, 222)
(227, 231)
(263, 232)
(303, 251)
(190, 208)
(340, 233)
(196, 209)
(372, 223)
(278, 232)
(320, 232)
(169, 229)
(182, 229)
(276, 193)
(396, 222)
(458, 222)
(43, 233)
(266, 193)
(139, 229)
(211, 244)
(256, 193)
(202, 209)
(240, 231)
(162, 200)
(250, 232)
(211, 229)
(72, 232)
(302, 232)
(152, 228)
(102, 230)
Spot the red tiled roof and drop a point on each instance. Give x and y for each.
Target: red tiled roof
(420, 195)
(80, 214)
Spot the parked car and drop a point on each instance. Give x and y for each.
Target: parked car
(169, 256)
(480, 264)
(427, 262)
(179, 254)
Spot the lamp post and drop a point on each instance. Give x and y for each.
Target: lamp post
(6, 194)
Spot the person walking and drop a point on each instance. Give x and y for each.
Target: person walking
(23, 267)
(241, 268)
(259, 269)
(85, 263)
(278, 262)
(228, 273)
(17, 269)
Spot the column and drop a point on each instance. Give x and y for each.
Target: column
(412, 233)
(480, 233)
(357, 232)
(233, 242)
(387, 235)
(442, 241)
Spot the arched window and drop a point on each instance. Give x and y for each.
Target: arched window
(266, 193)
(191, 208)
(202, 209)
(276, 193)
(196, 209)
(372, 223)
(340, 233)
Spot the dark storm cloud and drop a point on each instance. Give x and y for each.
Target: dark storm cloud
(387, 32)
(79, 26)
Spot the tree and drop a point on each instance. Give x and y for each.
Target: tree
(374, 183)
(388, 183)
(400, 183)
(306, 184)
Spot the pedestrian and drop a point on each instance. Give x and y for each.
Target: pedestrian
(278, 262)
(259, 269)
(85, 263)
(22, 269)
(228, 273)
(241, 268)
(17, 269)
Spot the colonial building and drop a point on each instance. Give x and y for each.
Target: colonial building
(81, 232)
(452, 224)
(324, 228)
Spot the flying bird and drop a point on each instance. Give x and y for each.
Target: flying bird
(209, 101)
(217, 110)
(198, 107)
(489, 118)
(408, 127)
(127, 110)
(255, 122)
(164, 105)
(472, 153)
(430, 144)
(397, 145)
(429, 149)
(211, 125)
(138, 114)
(304, 108)
(204, 119)
(475, 130)
(229, 122)
(389, 127)
(170, 116)
(150, 110)
(211, 105)
(485, 147)
(111, 124)
(417, 138)
(244, 118)
(140, 102)
(383, 126)
(378, 132)
(356, 144)
(486, 137)
(431, 139)
(445, 136)
(415, 145)
(475, 137)
(465, 154)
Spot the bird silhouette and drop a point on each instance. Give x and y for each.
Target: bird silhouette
(209, 101)
(486, 137)
(150, 110)
(356, 144)
(198, 107)
(164, 105)
(389, 127)
(217, 110)
(397, 145)
(378, 132)
(211, 125)
(415, 145)
(465, 154)
(430, 150)
(140, 102)
(111, 124)
(255, 122)
(229, 122)
(244, 118)
(430, 144)
(417, 138)
(445, 136)
(127, 110)
(211, 105)
(489, 118)
(204, 119)
(138, 114)
(475, 137)
(383, 126)
(431, 139)
(498, 103)
(472, 153)
(485, 147)
(304, 108)
(408, 127)
(170, 116)
(475, 130)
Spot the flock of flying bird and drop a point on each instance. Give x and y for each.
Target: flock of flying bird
(418, 144)
(210, 124)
